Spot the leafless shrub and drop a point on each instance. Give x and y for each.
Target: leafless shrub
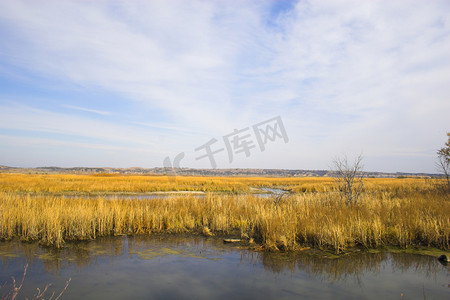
(349, 178)
(443, 162)
(12, 294)
(444, 167)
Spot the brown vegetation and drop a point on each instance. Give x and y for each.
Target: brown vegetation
(395, 212)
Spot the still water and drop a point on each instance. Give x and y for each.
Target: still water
(166, 267)
(257, 192)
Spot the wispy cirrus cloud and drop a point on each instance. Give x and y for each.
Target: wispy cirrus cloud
(344, 75)
(90, 110)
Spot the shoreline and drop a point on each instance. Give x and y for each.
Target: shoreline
(246, 245)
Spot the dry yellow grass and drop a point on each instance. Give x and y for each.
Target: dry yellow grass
(35, 183)
(108, 183)
(395, 212)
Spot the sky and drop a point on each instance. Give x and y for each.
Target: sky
(136, 83)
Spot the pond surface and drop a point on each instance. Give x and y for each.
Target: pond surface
(140, 196)
(165, 267)
(260, 192)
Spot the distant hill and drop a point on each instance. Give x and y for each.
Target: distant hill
(201, 172)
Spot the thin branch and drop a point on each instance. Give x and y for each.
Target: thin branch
(15, 289)
(65, 288)
(40, 294)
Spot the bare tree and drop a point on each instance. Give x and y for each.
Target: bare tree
(349, 178)
(443, 162)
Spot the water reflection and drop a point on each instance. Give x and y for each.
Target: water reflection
(155, 195)
(264, 193)
(169, 267)
(83, 254)
(348, 266)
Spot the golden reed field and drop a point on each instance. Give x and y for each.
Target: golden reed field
(396, 212)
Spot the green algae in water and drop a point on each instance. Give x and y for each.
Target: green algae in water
(147, 254)
(10, 255)
(46, 256)
(434, 252)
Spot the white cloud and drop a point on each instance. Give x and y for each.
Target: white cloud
(343, 74)
(86, 109)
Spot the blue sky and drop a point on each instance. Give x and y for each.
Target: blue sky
(128, 83)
